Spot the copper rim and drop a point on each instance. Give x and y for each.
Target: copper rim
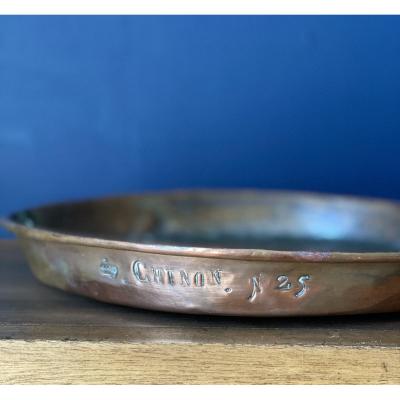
(227, 253)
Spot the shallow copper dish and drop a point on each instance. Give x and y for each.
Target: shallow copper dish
(235, 252)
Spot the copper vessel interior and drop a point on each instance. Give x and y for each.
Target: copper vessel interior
(233, 220)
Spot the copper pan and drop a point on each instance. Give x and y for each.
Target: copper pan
(230, 252)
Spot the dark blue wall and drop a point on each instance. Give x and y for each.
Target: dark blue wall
(99, 105)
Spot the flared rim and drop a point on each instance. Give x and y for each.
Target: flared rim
(41, 234)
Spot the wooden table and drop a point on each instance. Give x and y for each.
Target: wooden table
(48, 336)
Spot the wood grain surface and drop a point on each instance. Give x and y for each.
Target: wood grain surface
(48, 336)
(112, 363)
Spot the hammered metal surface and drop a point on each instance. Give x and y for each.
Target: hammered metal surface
(250, 253)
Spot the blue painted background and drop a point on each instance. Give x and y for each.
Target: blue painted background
(99, 105)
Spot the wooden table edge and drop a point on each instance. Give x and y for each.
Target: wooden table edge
(108, 362)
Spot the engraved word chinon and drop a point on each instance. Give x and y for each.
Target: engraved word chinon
(297, 287)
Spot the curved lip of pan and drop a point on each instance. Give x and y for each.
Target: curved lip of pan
(208, 252)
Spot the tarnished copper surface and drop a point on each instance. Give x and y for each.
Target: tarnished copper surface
(236, 252)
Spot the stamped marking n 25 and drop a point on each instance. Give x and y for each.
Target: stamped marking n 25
(284, 285)
(295, 286)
